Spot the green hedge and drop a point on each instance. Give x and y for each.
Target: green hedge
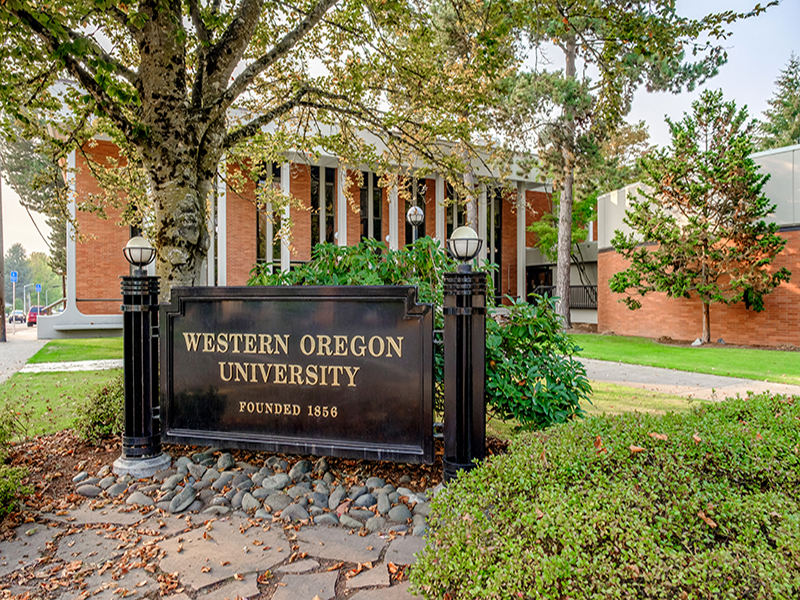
(698, 505)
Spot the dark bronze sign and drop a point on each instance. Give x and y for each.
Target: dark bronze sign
(337, 371)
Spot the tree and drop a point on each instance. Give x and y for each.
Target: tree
(39, 182)
(705, 214)
(181, 85)
(630, 44)
(781, 124)
(16, 259)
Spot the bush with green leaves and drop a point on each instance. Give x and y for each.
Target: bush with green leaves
(531, 375)
(12, 490)
(695, 505)
(103, 413)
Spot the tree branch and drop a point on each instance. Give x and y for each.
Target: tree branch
(264, 62)
(249, 129)
(76, 70)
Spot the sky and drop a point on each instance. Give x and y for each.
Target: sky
(757, 51)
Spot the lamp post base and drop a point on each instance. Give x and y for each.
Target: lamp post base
(140, 468)
(450, 470)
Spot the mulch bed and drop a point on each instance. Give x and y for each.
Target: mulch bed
(53, 460)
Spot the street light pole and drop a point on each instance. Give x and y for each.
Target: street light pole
(464, 358)
(415, 216)
(141, 442)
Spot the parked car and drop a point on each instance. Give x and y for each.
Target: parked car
(17, 315)
(33, 315)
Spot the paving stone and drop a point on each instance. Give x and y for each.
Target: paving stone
(307, 586)
(396, 592)
(402, 550)
(162, 526)
(336, 497)
(223, 480)
(218, 511)
(183, 461)
(133, 584)
(80, 477)
(422, 508)
(29, 542)
(384, 506)
(301, 566)
(279, 481)
(107, 482)
(246, 588)
(365, 501)
(356, 491)
(101, 515)
(337, 544)
(375, 482)
(398, 529)
(171, 482)
(377, 576)
(223, 543)
(319, 499)
(92, 546)
(197, 471)
(420, 530)
(361, 515)
(210, 475)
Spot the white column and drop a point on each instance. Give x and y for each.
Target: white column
(441, 228)
(72, 285)
(212, 235)
(521, 240)
(393, 224)
(482, 223)
(322, 218)
(286, 253)
(341, 206)
(222, 238)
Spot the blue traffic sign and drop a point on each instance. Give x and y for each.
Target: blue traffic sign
(38, 287)
(14, 276)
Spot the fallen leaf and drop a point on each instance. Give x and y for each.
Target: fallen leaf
(706, 519)
(598, 444)
(658, 436)
(238, 577)
(696, 439)
(636, 449)
(264, 577)
(205, 569)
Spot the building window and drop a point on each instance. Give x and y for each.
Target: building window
(455, 213)
(268, 224)
(371, 203)
(323, 207)
(494, 229)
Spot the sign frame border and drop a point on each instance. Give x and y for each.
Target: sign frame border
(421, 452)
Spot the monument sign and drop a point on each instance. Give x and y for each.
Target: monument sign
(337, 371)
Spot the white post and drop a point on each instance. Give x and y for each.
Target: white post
(287, 214)
(441, 225)
(521, 240)
(394, 230)
(322, 200)
(212, 236)
(482, 223)
(72, 285)
(222, 238)
(341, 206)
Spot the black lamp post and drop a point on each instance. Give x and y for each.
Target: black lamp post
(141, 442)
(415, 217)
(464, 356)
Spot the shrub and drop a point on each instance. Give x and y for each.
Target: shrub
(103, 413)
(12, 426)
(531, 375)
(698, 505)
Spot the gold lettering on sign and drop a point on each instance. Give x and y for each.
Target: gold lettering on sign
(222, 342)
(249, 343)
(191, 340)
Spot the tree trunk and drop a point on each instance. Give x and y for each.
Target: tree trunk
(564, 259)
(706, 323)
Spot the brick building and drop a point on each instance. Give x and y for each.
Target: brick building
(242, 235)
(681, 318)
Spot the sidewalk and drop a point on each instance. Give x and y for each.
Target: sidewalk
(680, 383)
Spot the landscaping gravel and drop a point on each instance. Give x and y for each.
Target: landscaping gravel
(212, 483)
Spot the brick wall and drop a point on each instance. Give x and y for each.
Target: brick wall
(508, 248)
(242, 244)
(99, 261)
(682, 319)
(353, 210)
(300, 188)
(538, 205)
(430, 208)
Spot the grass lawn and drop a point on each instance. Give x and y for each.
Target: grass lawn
(79, 349)
(611, 399)
(49, 399)
(769, 365)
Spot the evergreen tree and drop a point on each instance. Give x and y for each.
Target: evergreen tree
(706, 216)
(781, 124)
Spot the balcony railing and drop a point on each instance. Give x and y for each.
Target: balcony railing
(580, 296)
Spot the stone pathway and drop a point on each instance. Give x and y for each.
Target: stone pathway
(77, 365)
(210, 528)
